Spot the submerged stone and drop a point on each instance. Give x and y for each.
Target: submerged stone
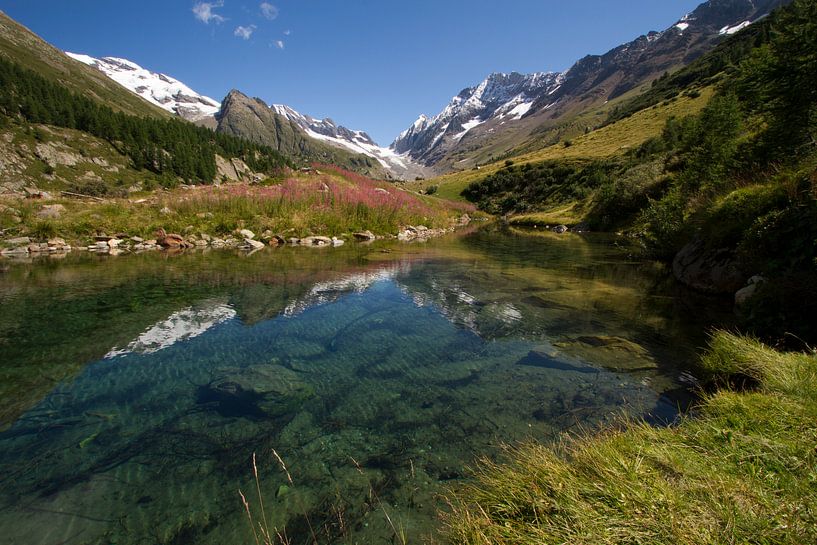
(609, 351)
(255, 392)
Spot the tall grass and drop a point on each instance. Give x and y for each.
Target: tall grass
(742, 469)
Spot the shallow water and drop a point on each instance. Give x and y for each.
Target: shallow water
(136, 389)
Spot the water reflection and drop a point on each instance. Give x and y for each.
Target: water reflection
(377, 374)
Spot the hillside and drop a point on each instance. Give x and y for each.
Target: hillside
(254, 120)
(509, 113)
(718, 181)
(18, 44)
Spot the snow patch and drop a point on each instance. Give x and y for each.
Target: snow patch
(682, 26)
(729, 30)
(160, 89)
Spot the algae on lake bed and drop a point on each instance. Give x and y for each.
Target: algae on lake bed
(365, 371)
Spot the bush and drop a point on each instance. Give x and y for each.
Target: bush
(431, 189)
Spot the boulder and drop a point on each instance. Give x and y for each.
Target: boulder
(255, 392)
(609, 351)
(743, 295)
(247, 234)
(254, 244)
(19, 241)
(560, 229)
(316, 241)
(50, 211)
(707, 270)
(364, 235)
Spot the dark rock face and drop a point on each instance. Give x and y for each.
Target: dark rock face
(707, 270)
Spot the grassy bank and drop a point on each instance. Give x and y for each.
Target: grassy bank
(742, 469)
(329, 201)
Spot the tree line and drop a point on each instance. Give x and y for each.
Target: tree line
(171, 146)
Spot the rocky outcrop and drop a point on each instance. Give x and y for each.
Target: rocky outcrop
(707, 270)
(253, 119)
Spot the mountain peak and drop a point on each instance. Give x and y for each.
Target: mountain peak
(160, 89)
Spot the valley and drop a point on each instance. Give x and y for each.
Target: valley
(574, 306)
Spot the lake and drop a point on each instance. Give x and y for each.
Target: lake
(136, 389)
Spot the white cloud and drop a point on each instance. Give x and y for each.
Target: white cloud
(204, 12)
(244, 32)
(279, 44)
(287, 32)
(268, 10)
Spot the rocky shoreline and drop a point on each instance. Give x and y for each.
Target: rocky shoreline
(244, 239)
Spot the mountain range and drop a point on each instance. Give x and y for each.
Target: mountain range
(502, 115)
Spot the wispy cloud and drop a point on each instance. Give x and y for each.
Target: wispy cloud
(244, 32)
(279, 44)
(287, 32)
(268, 10)
(204, 12)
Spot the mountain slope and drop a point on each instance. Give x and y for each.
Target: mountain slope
(252, 119)
(164, 91)
(460, 135)
(400, 166)
(281, 127)
(18, 44)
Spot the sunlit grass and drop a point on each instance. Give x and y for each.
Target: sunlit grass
(607, 141)
(741, 469)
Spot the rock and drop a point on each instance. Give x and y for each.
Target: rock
(706, 270)
(19, 241)
(337, 242)
(19, 250)
(364, 235)
(205, 237)
(255, 392)
(381, 190)
(294, 241)
(102, 245)
(254, 244)
(114, 242)
(277, 240)
(316, 241)
(165, 211)
(247, 234)
(421, 228)
(200, 243)
(37, 247)
(137, 239)
(743, 295)
(611, 352)
(560, 229)
(50, 211)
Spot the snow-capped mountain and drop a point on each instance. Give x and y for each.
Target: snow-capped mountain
(499, 97)
(510, 110)
(401, 166)
(160, 89)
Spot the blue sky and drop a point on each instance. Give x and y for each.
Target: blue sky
(372, 65)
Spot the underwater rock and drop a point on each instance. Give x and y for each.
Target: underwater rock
(255, 392)
(547, 361)
(611, 352)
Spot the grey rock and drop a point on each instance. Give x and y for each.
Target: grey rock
(364, 235)
(707, 270)
(51, 211)
(19, 241)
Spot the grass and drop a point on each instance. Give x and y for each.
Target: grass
(608, 141)
(742, 469)
(336, 202)
(568, 214)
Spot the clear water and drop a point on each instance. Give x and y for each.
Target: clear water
(135, 390)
